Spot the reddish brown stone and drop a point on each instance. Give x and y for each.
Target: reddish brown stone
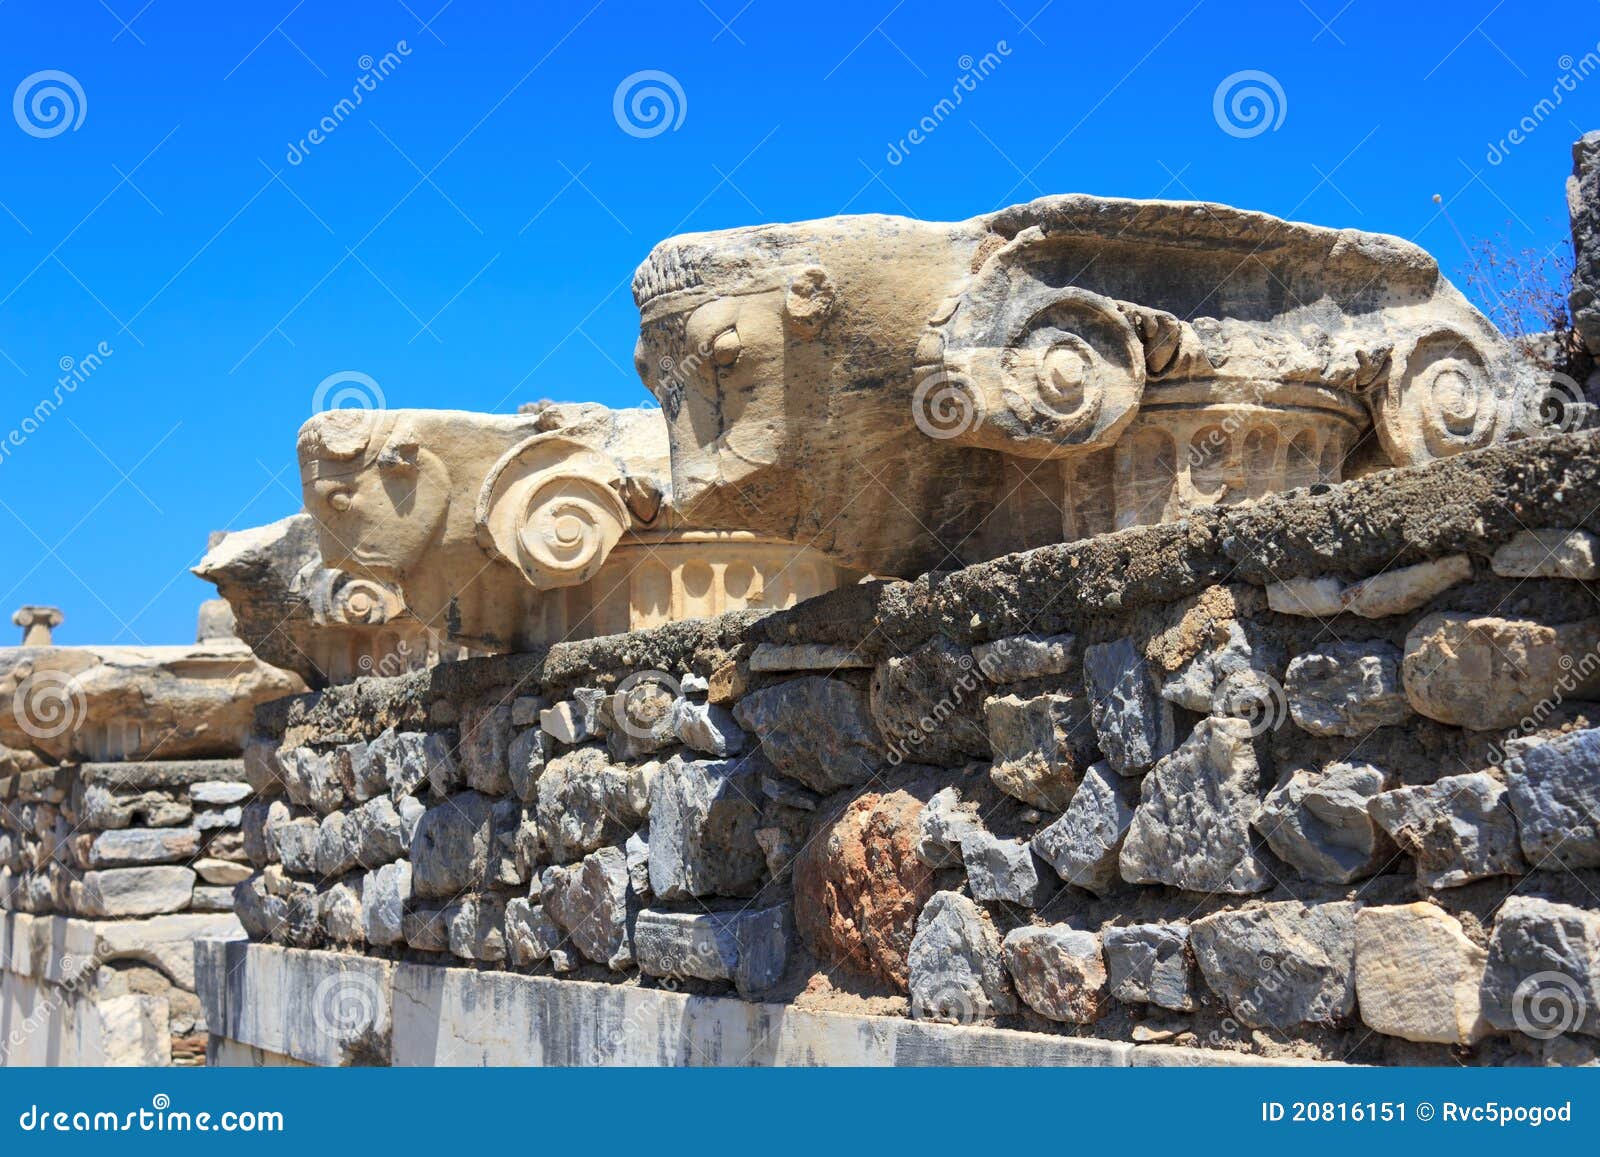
(859, 886)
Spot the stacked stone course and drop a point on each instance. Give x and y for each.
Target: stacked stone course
(1313, 777)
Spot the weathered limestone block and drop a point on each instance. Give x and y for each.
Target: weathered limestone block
(1543, 972)
(637, 848)
(220, 872)
(1192, 826)
(1020, 657)
(415, 758)
(132, 846)
(312, 779)
(1486, 673)
(1554, 791)
(218, 819)
(1346, 689)
(296, 842)
(1281, 964)
(963, 355)
(450, 851)
(137, 891)
(262, 769)
(361, 769)
(1318, 823)
(575, 720)
(483, 748)
(256, 821)
(1549, 553)
(1417, 974)
(79, 704)
(703, 820)
(385, 892)
(1084, 845)
(941, 825)
(531, 936)
(1149, 964)
(526, 759)
(1314, 598)
(748, 947)
(427, 926)
(335, 852)
(1133, 723)
(477, 928)
(708, 728)
(1457, 829)
(637, 719)
(824, 657)
(585, 802)
(1058, 972)
(928, 704)
(816, 730)
(955, 965)
(1005, 871)
(218, 793)
(340, 916)
(593, 903)
(859, 883)
(212, 898)
(1041, 747)
(1404, 589)
(1583, 207)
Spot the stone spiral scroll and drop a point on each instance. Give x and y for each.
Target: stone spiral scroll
(1047, 370)
(1441, 399)
(550, 507)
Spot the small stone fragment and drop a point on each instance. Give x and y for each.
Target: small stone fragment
(1084, 845)
(1192, 826)
(1316, 598)
(1347, 689)
(703, 819)
(708, 728)
(531, 936)
(1133, 723)
(1020, 657)
(941, 825)
(1004, 871)
(955, 965)
(1041, 747)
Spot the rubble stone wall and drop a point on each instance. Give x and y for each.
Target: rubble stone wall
(1317, 777)
(108, 875)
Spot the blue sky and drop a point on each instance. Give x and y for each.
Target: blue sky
(465, 237)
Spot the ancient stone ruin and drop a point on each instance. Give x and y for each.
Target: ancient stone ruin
(1097, 632)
